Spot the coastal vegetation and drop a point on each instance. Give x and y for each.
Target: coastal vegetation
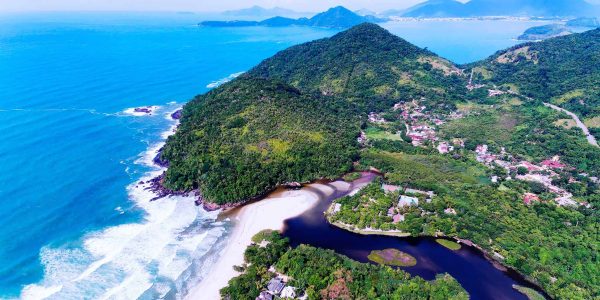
(392, 257)
(555, 246)
(529, 292)
(367, 99)
(246, 137)
(295, 117)
(449, 244)
(323, 274)
(564, 70)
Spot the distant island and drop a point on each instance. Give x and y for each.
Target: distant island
(336, 17)
(538, 33)
(480, 8)
(543, 32)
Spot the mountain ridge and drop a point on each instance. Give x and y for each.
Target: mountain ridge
(335, 17)
(480, 8)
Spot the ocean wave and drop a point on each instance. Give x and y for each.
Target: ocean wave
(158, 257)
(221, 81)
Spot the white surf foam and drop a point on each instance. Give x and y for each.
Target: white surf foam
(131, 111)
(152, 258)
(221, 81)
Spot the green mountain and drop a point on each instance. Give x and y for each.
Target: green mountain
(296, 116)
(367, 65)
(336, 17)
(563, 70)
(246, 137)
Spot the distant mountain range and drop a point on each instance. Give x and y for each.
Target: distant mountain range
(477, 8)
(261, 12)
(337, 17)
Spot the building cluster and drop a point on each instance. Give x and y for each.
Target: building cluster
(542, 173)
(277, 288)
(420, 126)
(405, 199)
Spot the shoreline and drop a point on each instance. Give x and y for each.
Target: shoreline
(268, 213)
(496, 262)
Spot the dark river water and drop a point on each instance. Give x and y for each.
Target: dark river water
(474, 272)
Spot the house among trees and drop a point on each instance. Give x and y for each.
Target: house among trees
(264, 295)
(288, 292)
(404, 200)
(275, 286)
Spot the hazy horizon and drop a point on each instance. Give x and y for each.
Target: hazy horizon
(194, 5)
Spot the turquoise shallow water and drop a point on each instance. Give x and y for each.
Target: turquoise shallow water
(73, 224)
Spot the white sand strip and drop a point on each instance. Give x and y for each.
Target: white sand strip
(269, 213)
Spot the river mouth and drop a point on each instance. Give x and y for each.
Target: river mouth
(468, 265)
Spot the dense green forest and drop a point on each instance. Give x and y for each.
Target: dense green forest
(297, 117)
(323, 274)
(563, 70)
(556, 246)
(246, 137)
(370, 67)
(528, 131)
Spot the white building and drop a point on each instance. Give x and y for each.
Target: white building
(288, 292)
(407, 201)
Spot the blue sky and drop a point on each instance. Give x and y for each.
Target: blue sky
(200, 5)
(197, 5)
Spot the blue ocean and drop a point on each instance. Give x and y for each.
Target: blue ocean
(75, 220)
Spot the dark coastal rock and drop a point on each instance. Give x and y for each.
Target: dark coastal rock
(157, 187)
(208, 206)
(159, 161)
(293, 185)
(146, 110)
(176, 115)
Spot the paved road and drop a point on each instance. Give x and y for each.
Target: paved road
(591, 139)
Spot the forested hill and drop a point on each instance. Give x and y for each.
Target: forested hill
(296, 116)
(564, 71)
(368, 65)
(248, 136)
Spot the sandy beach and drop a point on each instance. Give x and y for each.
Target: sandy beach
(269, 213)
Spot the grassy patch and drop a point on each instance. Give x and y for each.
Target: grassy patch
(566, 97)
(449, 244)
(262, 236)
(375, 133)
(515, 101)
(423, 171)
(392, 257)
(565, 123)
(592, 122)
(351, 176)
(483, 128)
(529, 292)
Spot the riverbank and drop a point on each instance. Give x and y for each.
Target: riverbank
(269, 213)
